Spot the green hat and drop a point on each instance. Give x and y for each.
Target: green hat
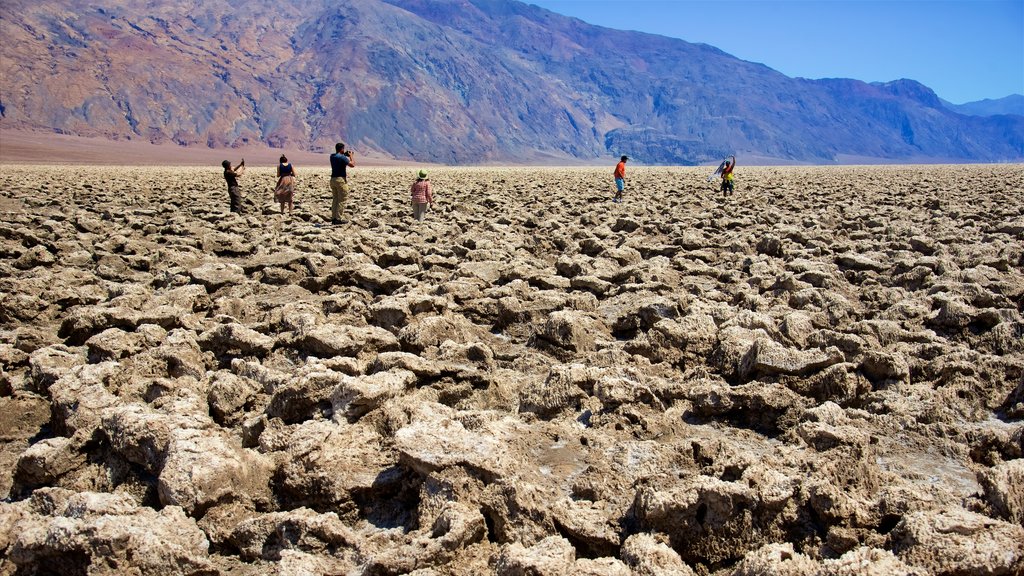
(423, 173)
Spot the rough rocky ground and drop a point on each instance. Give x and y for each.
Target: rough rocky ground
(821, 374)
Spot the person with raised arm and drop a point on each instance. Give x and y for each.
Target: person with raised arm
(231, 176)
(727, 185)
(341, 160)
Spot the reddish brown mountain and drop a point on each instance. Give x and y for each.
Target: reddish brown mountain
(446, 81)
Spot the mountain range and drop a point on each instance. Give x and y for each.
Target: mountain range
(1012, 104)
(449, 81)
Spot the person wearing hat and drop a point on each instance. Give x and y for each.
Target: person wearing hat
(341, 160)
(620, 178)
(422, 196)
(231, 176)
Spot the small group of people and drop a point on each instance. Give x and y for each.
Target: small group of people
(725, 171)
(284, 191)
(422, 195)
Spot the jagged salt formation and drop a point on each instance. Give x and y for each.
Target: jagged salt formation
(823, 374)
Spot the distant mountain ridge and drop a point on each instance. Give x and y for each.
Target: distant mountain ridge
(1012, 104)
(450, 81)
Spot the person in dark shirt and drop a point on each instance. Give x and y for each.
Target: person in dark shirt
(231, 176)
(340, 161)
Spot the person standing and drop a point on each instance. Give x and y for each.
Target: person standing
(231, 176)
(284, 193)
(620, 178)
(340, 161)
(422, 195)
(727, 175)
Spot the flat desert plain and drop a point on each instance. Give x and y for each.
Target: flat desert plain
(822, 373)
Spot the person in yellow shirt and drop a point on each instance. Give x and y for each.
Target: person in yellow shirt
(727, 175)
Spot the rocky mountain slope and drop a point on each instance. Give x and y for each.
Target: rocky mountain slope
(446, 81)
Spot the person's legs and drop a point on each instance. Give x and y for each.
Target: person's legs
(335, 200)
(288, 193)
(236, 198)
(619, 185)
(339, 191)
(419, 210)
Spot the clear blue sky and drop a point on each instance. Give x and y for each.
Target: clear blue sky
(965, 50)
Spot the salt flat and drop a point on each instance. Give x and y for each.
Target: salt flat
(822, 373)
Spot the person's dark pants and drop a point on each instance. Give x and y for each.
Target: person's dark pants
(236, 198)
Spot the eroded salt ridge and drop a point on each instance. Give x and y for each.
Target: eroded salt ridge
(821, 374)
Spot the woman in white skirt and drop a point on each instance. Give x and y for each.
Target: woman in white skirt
(284, 192)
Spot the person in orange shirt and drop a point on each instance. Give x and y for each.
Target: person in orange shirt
(620, 178)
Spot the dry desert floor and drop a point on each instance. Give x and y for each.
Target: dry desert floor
(821, 374)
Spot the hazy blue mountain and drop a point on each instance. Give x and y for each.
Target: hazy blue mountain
(451, 81)
(1012, 104)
